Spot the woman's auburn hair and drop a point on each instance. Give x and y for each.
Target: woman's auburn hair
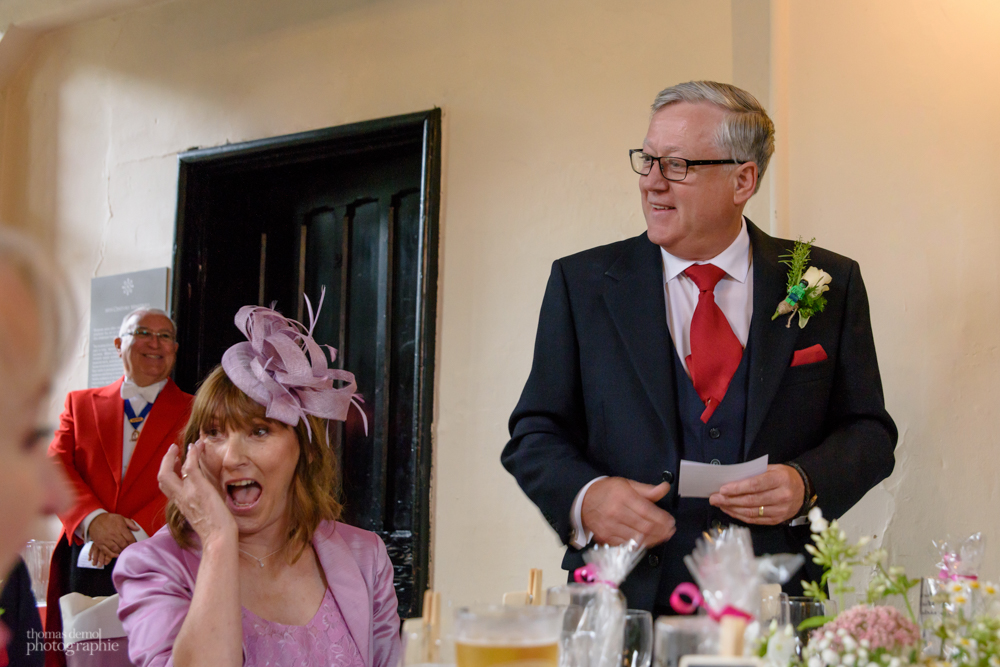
(313, 496)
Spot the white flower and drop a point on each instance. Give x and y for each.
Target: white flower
(817, 523)
(817, 280)
(815, 661)
(781, 647)
(864, 540)
(849, 643)
(848, 659)
(865, 643)
(751, 634)
(830, 657)
(895, 662)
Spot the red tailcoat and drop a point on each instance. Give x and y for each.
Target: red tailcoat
(88, 444)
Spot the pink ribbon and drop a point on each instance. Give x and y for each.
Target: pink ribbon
(695, 600)
(588, 574)
(950, 562)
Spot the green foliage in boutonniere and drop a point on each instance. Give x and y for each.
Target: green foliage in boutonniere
(805, 286)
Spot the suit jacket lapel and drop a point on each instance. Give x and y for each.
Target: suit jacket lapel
(347, 584)
(159, 427)
(635, 300)
(109, 415)
(771, 342)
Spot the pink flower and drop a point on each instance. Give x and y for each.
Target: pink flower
(884, 627)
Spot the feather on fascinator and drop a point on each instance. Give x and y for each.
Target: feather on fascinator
(281, 367)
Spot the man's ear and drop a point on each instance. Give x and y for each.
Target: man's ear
(118, 346)
(745, 180)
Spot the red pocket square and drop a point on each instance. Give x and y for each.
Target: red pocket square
(810, 355)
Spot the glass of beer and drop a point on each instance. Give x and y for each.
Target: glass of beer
(516, 636)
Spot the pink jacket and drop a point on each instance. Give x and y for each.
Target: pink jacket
(155, 581)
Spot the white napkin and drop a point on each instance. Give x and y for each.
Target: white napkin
(84, 559)
(86, 618)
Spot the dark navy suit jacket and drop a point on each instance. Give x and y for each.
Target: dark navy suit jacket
(601, 399)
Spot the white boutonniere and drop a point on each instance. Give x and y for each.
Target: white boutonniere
(805, 286)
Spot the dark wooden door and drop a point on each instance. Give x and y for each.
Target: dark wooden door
(352, 210)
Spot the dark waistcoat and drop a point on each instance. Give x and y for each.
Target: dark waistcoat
(720, 441)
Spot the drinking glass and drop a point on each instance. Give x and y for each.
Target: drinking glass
(637, 650)
(795, 609)
(420, 649)
(37, 556)
(495, 635)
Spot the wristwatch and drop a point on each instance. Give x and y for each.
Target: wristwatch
(808, 496)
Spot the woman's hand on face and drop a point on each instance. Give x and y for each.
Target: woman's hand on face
(195, 494)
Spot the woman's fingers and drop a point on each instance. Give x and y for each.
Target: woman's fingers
(167, 477)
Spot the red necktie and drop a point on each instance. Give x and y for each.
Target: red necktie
(715, 350)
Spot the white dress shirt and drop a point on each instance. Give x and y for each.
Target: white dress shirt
(139, 397)
(734, 296)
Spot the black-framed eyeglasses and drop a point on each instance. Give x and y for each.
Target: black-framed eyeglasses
(143, 333)
(672, 168)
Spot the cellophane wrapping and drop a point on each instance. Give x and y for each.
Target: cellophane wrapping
(599, 632)
(725, 569)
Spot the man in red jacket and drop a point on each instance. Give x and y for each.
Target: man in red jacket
(110, 442)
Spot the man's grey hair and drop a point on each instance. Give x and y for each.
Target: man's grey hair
(747, 132)
(47, 289)
(138, 314)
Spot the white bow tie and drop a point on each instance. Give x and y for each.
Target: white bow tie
(149, 394)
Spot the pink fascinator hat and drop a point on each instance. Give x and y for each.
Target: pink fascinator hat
(281, 367)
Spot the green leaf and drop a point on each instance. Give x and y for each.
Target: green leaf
(814, 622)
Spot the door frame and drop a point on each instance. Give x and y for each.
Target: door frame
(196, 168)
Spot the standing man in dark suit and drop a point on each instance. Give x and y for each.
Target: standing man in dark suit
(110, 443)
(662, 347)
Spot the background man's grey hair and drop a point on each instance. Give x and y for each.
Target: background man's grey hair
(128, 324)
(56, 313)
(747, 132)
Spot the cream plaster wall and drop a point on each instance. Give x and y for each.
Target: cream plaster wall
(540, 101)
(888, 151)
(893, 147)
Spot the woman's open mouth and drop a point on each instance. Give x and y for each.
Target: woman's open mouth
(242, 494)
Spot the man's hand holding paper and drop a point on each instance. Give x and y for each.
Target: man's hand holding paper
(766, 499)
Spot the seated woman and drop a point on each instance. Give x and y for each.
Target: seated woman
(253, 567)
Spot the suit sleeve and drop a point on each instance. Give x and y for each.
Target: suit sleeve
(385, 615)
(154, 598)
(858, 451)
(548, 428)
(63, 449)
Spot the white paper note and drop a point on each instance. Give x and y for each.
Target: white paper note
(700, 480)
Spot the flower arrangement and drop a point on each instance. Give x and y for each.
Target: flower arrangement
(865, 635)
(966, 634)
(969, 628)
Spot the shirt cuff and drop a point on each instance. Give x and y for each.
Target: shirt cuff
(580, 537)
(83, 529)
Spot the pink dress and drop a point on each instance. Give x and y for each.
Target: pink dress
(155, 579)
(325, 640)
